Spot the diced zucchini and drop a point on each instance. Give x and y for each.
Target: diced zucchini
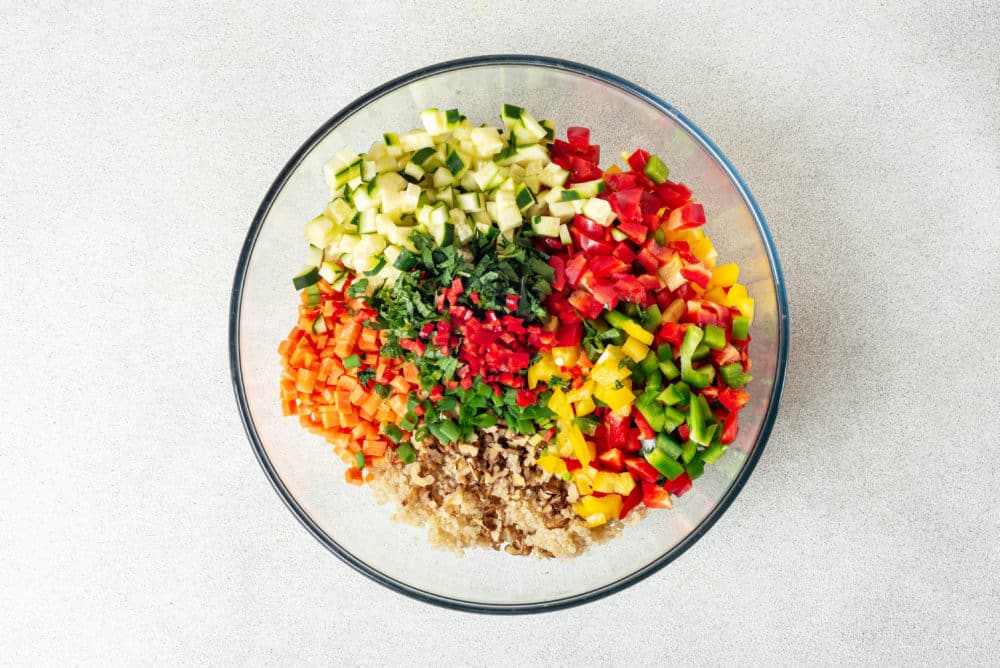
(319, 231)
(546, 226)
(523, 197)
(470, 201)
(415, 140)
(315, 255)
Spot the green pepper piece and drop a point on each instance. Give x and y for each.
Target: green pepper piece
(694, 377)
(654, 381)
(741, 327)
(734, 376)
(670, 396)
(352, 361)
(394, 433)
(701, 352)
(359, 459)
(696, 421)
(688, 451)
(669, 369)
(649, 364)
(668, 445)
(692, 337)
(663, 463)
(715, 337)
(672, 418)
(651, 410)
(695, 468)
(713, 453)
(651, 318)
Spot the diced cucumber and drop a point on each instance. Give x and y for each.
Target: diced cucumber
(415, 140)
(315, 255)
(523, 197)
(470, 201)
(308, 276)
(564, 236)
(599, 211)
(319, 231)
(510, 114)
(546, 226)
(367, 223)
(414, 170)
(456, 163)
(434, 121)
(319, 325)
(584, 190)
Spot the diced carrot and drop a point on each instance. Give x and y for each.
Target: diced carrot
(305, 381)
(411, 373)
(325, 367)
(397, 403)
(347, 382)
(371, 404)
(359, 395)
(289, 407)
(378, 462)
(369, 476)
(374, 448)
(349, 419)
(400, 384)
(368, 341)
(353, 475)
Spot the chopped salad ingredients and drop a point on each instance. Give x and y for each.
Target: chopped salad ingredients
(519, 347)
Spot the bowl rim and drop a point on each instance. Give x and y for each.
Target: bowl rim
(727, 499)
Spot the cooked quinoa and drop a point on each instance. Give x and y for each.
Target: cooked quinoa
(488, 493)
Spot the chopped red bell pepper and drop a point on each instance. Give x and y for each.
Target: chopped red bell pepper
(697, 273)
(645, 431)
(572, 465)
(732, 399)
(525, 398)
(575, 268)
(655, 496)
(624, 253)
(511, 302)
(569, 333)
(558, 265)
(584, 170)
(612, 460)
(626, 205)
(591, 228)
(619, 181)
(679, 485)
(589, 245)
(637, 161)
(730, 428)
(673, 194)
(617, 430)
(650, 205)
(670, 332)
(630, 501)
(629, 288)
(684, 432)
(636, 232)
(579, 137)
(686, 217)
(641, 469)
(603, 266)
(727, 355)
(606, 293)
(585, 303)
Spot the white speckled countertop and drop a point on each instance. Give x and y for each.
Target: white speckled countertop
(137, 528)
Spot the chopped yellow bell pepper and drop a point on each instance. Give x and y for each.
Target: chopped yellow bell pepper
(542, 371)
(585, 406)
(725, 275)
(635, 349)
(635, 330)
(583, 450)
(715, 294)
(613, 483)
(617, 399)
(599, 510)
(705, 250)
(738, 298)
(554, 465)
(581, 393)
(583, 478)
(565, 356)
(608, 369)
(559, 404)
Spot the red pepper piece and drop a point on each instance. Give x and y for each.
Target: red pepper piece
(630, 502)
(641, 469)
(525, 398)
(625, 204)
(686, 217)
(619, 181)
(591, 228)
(655, 496)
(612, 460)
(585, 303)
(603, 266)
(645, 431)
(670, 332)
(584, 170)
(730, 428)
(607, 293)
(637, 161)
(572, 465)
(558, 268)
(624, 253)
(629, 288)
(697, 273)
(575, 268)
(589, 245)
(636, 232)
(679, 485)
(673, 194)
(579, 137)
(617, 430)
(727, 355)
(569, 333)
(732, 399)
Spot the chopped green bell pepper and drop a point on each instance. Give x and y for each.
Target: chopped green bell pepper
(672, 418)
(688, 451)
(663, 463)
(672, 395)
(715, 337)
(665, 353)
(692, 337)
(651, 318)
(695, 468)
(649, 364)
(741, 327)
(734, 376)
(695, 377)
(701, 352)
(669, 369)
(714, 451)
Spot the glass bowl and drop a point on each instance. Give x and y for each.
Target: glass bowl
(309, 477)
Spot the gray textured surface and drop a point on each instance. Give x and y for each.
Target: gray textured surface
(136, 527)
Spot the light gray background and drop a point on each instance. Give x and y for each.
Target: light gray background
(136, 526)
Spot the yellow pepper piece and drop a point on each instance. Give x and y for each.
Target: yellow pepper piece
(583, 478)
(585, 406)
(582, 450)
(690, 236)
(635, 349)
(725, 275)
(736, 292)
(559, 404)
(635, 330)
(616, 399)
(608, 370)
(738, 298)
(542, 371)
(554, 465)
(705, 250)
(715, 294)
(583, 392)
(598, 511)
(565, 356)
(613, 169)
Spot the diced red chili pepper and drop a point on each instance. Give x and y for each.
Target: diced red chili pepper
(511, 302)
(637, 161)
(641, 469)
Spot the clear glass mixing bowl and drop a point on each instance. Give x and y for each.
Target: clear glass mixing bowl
(309, 478)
